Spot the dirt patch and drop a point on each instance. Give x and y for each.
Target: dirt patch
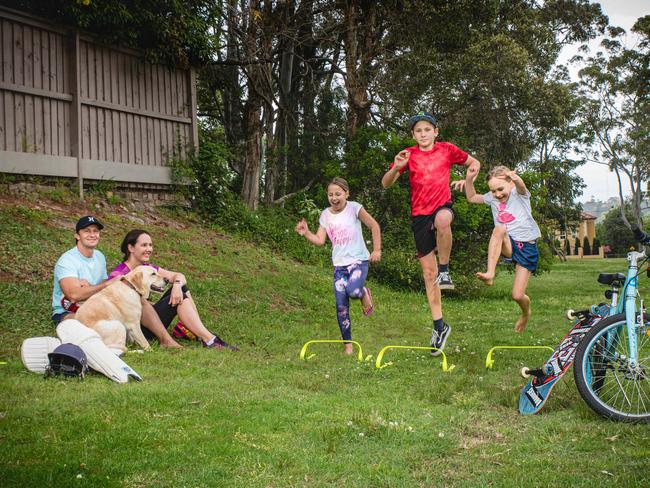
(278, 302)
(6, 277)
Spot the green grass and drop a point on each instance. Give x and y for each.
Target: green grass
(262, 417)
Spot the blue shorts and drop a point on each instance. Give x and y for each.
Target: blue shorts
(525, 254)
(57, 318)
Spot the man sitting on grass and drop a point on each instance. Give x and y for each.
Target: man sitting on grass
(81, 272)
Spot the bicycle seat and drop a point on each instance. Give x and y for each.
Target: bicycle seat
(611, 278)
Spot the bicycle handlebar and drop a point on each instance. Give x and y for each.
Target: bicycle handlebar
(640, 235)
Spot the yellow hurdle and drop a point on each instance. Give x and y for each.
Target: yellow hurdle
(303, 351)
(489, 362)
(378, 364)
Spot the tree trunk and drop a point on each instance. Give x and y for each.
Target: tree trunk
(270, 157)
(360, 51)
(250, 191)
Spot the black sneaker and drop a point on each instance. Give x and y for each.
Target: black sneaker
(439, 339)
(444, 281)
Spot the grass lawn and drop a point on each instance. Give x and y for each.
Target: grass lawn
(264, 418)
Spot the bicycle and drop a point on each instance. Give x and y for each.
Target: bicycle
(612, 363)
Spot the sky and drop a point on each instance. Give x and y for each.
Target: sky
(601, 183)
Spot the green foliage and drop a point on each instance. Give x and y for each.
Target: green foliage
(208, 183)
(586, 247)
(576, 247)
(567, 247)
(596, 248)
(613, 232)
(102, 188)
(170, 31)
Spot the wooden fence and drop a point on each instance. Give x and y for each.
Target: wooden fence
(72, 107)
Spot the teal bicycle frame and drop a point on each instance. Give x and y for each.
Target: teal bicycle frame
(631, 293)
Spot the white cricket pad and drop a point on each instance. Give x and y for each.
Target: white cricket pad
(34, 352)
(100, 357)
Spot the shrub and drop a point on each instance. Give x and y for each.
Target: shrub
(596, 248)
(586, 247)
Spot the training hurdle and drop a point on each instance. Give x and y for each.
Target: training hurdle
(444, 365)
(303, 351)
(489, 362)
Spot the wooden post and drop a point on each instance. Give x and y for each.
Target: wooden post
(75, 107)
(192, 101)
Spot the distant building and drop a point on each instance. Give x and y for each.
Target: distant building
(599, 209)
(585, 228)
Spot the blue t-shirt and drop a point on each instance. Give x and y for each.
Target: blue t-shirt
(73, 264)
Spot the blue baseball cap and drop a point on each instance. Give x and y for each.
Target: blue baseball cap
(87, 221)
(422, 116)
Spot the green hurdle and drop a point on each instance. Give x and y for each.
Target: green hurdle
(303, 351)
(380, 356)
(489, 362)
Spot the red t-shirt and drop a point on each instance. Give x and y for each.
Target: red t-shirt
(429, 176)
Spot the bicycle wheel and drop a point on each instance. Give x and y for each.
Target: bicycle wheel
(606, 380)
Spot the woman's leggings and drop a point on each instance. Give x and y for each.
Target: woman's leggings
(349, 281)
(165, 311)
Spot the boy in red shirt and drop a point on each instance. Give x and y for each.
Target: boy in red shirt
(429, 164)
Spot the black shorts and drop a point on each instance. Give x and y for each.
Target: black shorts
(424, 231)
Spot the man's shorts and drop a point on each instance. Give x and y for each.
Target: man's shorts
(525, 254)
(57, 318)
(424, 231)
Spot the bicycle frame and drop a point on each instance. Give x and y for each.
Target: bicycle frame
(630, 291)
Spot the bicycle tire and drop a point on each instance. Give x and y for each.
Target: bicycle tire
(605, 381)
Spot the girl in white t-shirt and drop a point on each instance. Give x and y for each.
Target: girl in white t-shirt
(515, 232)
(341, 222)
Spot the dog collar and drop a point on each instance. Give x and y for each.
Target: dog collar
(127, 282)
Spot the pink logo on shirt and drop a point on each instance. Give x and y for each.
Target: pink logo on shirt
(503, 216)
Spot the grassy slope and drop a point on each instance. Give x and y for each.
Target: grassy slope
(262, 417)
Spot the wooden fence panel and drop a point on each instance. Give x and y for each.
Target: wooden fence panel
(131, 113)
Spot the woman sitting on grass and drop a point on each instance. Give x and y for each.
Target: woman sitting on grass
(137, 248)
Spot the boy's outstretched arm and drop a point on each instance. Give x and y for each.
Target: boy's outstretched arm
(392, 174)
(470, 191)
(372, 224)
(519, 183)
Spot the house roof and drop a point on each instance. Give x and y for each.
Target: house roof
(587, 216)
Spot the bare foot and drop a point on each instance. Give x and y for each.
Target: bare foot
(520, 325)
(366, 303)
(487, 278)
(170, 344)
(349, 349)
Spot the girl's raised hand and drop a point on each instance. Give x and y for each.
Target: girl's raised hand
(302, 227)
(375, 256)
(512, 175)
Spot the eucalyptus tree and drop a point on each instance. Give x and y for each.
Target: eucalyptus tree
(615, 82)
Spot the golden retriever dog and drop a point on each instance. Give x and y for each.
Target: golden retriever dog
(115, 311)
